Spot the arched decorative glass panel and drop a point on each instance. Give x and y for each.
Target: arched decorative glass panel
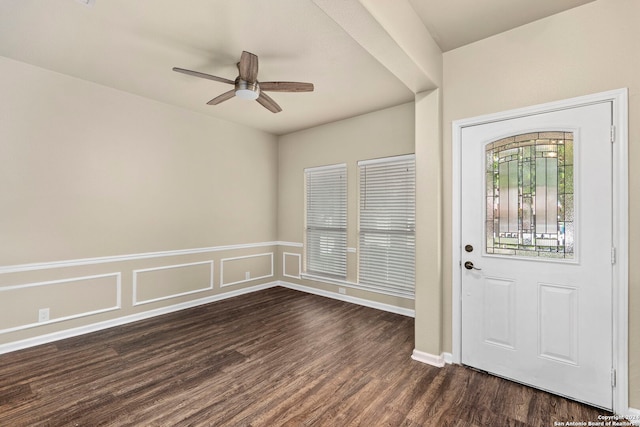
(529, 189)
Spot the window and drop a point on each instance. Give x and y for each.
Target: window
(387, 225)
(326, 221)
(530, 201)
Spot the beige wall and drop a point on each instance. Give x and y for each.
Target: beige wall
(589, 49)
(383, 133)
(87, 171)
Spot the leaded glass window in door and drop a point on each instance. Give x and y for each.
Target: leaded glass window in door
(530, 199)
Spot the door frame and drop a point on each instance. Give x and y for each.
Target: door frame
(620, 229)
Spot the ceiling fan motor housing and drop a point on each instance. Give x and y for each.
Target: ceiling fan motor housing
(247, 90)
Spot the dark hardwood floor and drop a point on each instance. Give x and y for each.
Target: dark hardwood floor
(272, 358)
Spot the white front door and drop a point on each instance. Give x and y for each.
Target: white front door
(536, 230)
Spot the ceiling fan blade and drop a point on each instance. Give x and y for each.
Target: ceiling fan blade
(286, 86)
(268, 103)
(248, 67)
(221, 98)
(203, 75)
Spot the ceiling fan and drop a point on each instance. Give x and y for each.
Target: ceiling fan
(247, 85)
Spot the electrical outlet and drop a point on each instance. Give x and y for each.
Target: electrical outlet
(342, 291)
(43, 315)
(247, 275)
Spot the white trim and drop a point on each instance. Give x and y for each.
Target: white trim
(379, 160)
(456, 241)
(284, 264)
(44, 339)
(292, 244)
(619, 99)
(166, 267)
(429, 359)
(448, 358)
(222, 261)
(633, 415)
(119, 258)
(621, 243)
(347, 298)
(118, 305)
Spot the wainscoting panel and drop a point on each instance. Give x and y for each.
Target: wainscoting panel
(24, 306)
(243, 269)
(291, 265)
(170, 281)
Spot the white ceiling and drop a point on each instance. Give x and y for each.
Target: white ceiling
(132, 46)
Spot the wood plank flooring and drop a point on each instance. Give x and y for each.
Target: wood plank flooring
(272, 358)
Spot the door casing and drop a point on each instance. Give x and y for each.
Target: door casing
(620, 196)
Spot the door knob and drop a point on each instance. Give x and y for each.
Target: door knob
(469, 266)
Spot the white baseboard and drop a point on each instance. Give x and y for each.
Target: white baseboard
(429, 359)
(69, 333)
(347, 298)
(633, 415)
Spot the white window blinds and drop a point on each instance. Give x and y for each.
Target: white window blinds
(387, 225)
(326, 221)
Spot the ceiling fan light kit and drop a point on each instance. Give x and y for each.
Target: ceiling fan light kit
(246, 90)
(247, 86)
